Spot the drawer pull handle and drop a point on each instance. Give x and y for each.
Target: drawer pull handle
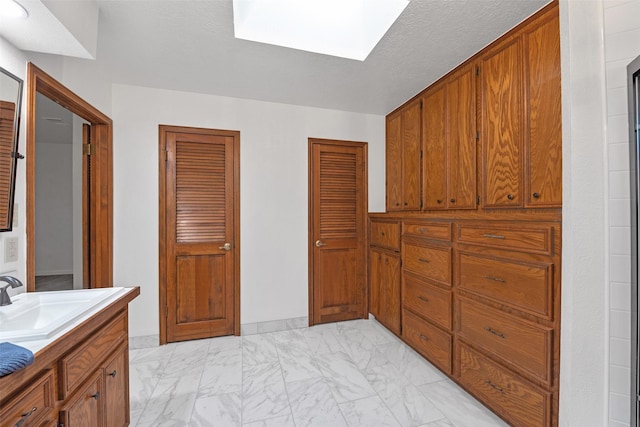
(26, 415)
(96, 396)
(510, 196)
(495, 279)
(426, 261)
(493, 236)
(494, 332)
(495, 387)
(425, 299)
(382, 233)
(424, 338)
(113, 374)
(439, 201)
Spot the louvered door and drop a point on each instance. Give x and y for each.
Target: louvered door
(338, 209)
(7, 118)
(200, 236)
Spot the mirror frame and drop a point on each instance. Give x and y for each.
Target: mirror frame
(8, 226)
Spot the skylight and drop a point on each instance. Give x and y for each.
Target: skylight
(343, 28)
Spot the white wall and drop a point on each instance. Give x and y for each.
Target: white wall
(273, 189)
(622, 45)
(583, 361)
(54, 209)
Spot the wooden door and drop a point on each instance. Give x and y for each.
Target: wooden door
(375, 281)
(434, 152)
(502, 124)
(543, 142)
(87, 407)
(411, 146)
(390, 291)
(337, 221)
(461, 140)
(394, 162)
(199, 233)
(116, 390)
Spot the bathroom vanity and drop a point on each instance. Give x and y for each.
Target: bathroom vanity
(80, 376)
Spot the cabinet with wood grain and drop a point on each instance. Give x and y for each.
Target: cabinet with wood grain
(481, 262)
(384, 273)
(449, 142)
(520, 110)
(403, 136)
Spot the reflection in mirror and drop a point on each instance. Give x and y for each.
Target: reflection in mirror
(58, 197)
(10, 101)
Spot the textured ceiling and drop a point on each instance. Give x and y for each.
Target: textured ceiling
(189, 45)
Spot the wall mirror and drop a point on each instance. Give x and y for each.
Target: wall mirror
(10, 101)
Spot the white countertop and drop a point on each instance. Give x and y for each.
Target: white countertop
(37, 345)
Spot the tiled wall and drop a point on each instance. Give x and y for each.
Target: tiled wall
(622, 45)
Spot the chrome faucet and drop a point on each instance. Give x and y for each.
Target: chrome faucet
(5, 299)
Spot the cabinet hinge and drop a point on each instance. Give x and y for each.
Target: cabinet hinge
(166, 311)
(477, 136)
(420, 154)
(477, 70)
(421, 104)
(88, 149)
(420, 204)
(166, 155)
(478, 200)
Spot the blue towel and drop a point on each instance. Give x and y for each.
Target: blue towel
(13, 358)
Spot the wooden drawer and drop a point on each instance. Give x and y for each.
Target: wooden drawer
(76, 366)
(431, 262)
(29, 407)
(428, 340)
(385, 234)
(427, 300)
(514, 398)
(429, 230)
(522, 344)
(523, 238)
(523, 285)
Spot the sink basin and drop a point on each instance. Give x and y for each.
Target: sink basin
(40, 315)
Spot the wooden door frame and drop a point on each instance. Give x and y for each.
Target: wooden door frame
(162, 235)
(365, 198)
(100, 194)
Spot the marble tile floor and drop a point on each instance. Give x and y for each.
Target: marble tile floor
(351, 374)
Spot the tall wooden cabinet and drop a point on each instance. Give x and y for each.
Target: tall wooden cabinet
(384, 271)
(479, 265)
(403, 158)
(521, 118)
(449, 142)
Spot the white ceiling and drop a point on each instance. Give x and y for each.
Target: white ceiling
(189, 45)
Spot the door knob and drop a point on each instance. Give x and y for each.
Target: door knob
(226, 247)
(320, 243)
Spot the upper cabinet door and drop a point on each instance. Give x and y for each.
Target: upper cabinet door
(403, 158)
(434, 152)
(461, 143)
(411, 142)
(543, 141)
(394, 162)
(502, 124)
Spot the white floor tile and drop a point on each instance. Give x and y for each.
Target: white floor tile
(367, 412)
(354, 374)
(460, 407)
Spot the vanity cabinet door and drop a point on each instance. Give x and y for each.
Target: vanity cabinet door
(86, 408)
(116, 389)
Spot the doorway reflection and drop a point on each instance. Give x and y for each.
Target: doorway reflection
(58, 197)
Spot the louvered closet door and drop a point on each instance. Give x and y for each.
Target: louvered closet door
(338, 218)
(200, 240)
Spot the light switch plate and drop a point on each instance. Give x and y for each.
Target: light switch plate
(11, 249)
